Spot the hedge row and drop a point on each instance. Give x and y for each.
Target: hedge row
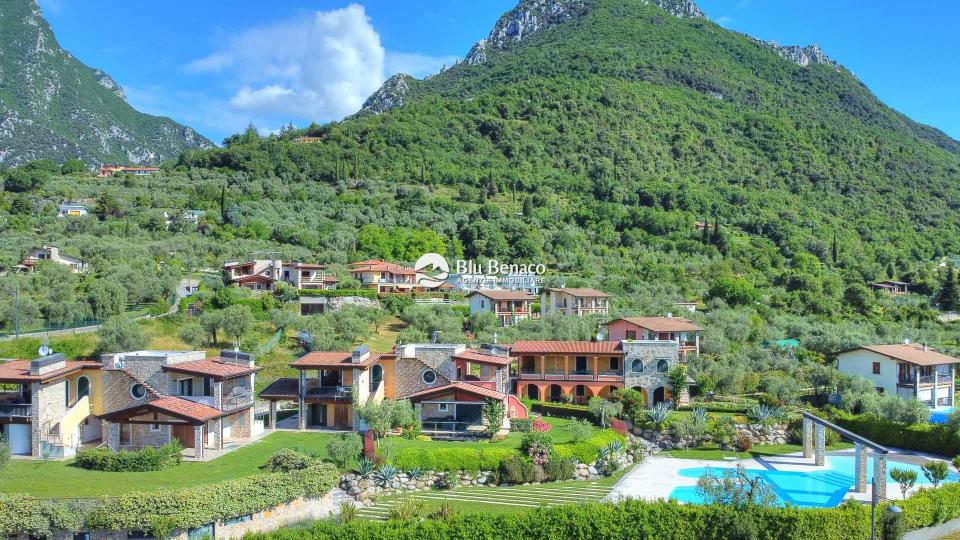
(488, 459)
(179, 509)
(931, 438)
(929, 507)
(145, 459)
(716, 407)
(561, 410)
(601, 521)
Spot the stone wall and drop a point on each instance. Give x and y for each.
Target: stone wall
(667, 439)
(49, 405)
(410, 376)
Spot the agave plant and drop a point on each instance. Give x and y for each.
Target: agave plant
(364, 467)
(415, 473)
(760, 413)
(385, 474)
(700, 415)
(659, 414)
(778, 414)
(615, 447)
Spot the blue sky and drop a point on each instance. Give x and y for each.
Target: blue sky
(218, 66)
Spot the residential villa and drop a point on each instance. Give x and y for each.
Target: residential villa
(891, 287)
(128, 401)
(574, 301)
(263, 274)
(448, 385)
(111, 169)
(580, 370)
(52, 254)
(911, 371)
(508, 306)
(72, 210)
(385, 277)
(677, 329)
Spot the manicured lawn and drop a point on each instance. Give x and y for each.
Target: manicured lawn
(59, 479)
(498, 500)
(713, 452)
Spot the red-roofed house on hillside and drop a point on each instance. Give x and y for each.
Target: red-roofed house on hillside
(509, 306)
(111, 169)
(263, 274)
(669, 328)
(909, 370)
(574, 301)
(385, 277)
(153, 397)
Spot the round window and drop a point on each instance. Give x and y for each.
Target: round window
(429, 376)
(138, 391)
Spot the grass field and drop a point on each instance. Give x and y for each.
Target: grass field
(491, 500)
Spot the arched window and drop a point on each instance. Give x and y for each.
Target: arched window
(429, 376)
(83, 386)
(138, 391)
(637, 366)
(376, 377)
(662, 366)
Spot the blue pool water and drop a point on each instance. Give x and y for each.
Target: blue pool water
(940, 416)
(814, 489)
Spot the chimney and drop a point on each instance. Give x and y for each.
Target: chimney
(48, 363)
(925, 348)
(359, 354)
(435, 336)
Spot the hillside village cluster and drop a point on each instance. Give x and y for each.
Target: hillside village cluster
(129, 400)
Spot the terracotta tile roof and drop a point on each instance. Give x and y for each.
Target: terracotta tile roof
(503, 295)
(213, 368)
(184, 408)
(662, 324)
(18, 371)
(471, 355)
(913, 354)
(253, 277)
(381, 266)
(461, 387)
(333, 360)
(566, 347)
(305, 265)
(582, 292)
(282, 388)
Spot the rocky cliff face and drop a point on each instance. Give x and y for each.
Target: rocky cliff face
(803, 56)
(53, 106)
(529, 18)
(390, 96)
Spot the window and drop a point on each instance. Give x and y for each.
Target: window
(207, 386)
(66, 393)
(155, 428)
(238, 519)
(443, 407)
(138, 391)
(662, 366)
(581, 390)
(376, 377)
(631, 334)
(637, 366)
(81, 536)
(185, 387)
(429, 376)
(876, 368)
(614, 363)
(581, 364)
(83, 386)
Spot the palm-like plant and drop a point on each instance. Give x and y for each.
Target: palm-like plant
(659, 414)
(385, 474)
(365, 467)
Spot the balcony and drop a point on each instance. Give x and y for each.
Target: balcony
(329, 393)
(237, 401)
(209, 401)
(926, 380)
(16, 411)
(573, 375)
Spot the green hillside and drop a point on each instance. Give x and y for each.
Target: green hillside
(53, 106)
(594, 145)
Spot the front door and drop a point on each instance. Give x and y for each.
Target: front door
(184, 434)
(341, 416)
(318, 414)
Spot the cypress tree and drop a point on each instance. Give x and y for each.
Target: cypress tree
(705, 238)
(835, 252)
(223, 204)
(948, 298)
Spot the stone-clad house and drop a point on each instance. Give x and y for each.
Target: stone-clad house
(153, 397)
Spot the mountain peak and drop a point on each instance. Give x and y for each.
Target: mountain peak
(530, 17)
(390, 95)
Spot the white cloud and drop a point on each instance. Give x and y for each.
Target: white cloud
(724, 20)
(315, 68)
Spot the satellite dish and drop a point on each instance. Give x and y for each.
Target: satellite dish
(599, 336)
(906, 341)
(45, 349)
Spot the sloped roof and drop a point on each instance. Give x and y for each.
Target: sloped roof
(335, 360)
(373, 265)
(471, 355)
(913, 353)
(581, 292)
(460, 387)
(662, 324)
(566, 347)
(213, 368)
(184, 409)
(285, 387)
(503, 295)
(18, 371)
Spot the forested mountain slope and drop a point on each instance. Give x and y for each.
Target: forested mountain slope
(53, 106)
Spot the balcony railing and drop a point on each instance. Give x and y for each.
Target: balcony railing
(15, 410)
(237, 401)
(335, 393)
(209, 401)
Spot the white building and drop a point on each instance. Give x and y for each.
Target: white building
(911, 371)
(72, 210)
(52, 254)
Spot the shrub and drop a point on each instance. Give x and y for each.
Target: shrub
(443, 511)
(557, 469)
(561, 410)
(518, 470)
(932, 438)
(929, 507)
(743, 443)
(4, 452)
(537, 439)
(385, 474)
(345, 448)
(452, 458)
(935, 471)
(724, 430)
(521, 425)
(143, 460)
(619, 426)
(493, 412)
(603, 410)
(288, 459)
(540, 425)
(406, 508)
(578, 430)
(586, 451)
(448, 480)
(956, 463)
(365, 467)
(659, 414)
(907, 478)
(348, 512)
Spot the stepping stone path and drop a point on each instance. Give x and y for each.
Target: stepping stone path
(526, 497)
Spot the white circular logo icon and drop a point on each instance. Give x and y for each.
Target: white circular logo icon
(432, 270)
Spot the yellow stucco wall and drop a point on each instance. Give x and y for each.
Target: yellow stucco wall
(95, 376)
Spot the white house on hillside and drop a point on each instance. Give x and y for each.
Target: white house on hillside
(911, 371)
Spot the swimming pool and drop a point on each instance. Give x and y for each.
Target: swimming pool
(824, 488)
(940, 416)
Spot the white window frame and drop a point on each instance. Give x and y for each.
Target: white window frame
(155, 428)
(443, 407)
(423, 377)
(134, 396)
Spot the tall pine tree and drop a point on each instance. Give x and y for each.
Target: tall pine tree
(949, 297)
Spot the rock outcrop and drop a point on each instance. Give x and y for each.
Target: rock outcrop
(529, 18)
(391, 95)
(803, 56)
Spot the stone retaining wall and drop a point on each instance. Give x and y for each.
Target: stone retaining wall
(758, 435)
